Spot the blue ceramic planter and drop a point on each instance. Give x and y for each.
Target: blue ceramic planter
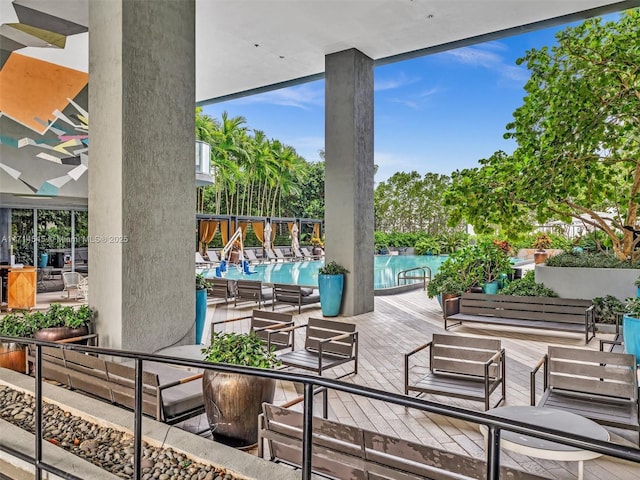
(44, 260)
(330, 287)
(491, 287)
(631, 335)
(201, 313)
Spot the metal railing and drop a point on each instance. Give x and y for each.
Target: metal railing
(426, 275)
(493, 424)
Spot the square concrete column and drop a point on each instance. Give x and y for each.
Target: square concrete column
(349, 174)
(141, 171)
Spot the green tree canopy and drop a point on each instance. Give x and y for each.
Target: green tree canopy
(578, 140)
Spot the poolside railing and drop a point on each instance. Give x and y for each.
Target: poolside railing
(311, 383)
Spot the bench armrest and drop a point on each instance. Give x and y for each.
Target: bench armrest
(288, 329)
(219, 322)
(406, 364)
(271, 331)
(90, 336)
(342, 336)
(609, 342)
(532, 378)
(182, 381)
(275, 326)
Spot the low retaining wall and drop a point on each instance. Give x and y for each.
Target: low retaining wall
(589, 283)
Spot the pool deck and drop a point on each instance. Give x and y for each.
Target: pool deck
(401, 323)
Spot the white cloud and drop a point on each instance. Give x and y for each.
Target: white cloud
(307, 146)
(398, 81)
(487, 56)
(303, 96)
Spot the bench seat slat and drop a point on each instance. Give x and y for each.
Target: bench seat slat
(568, 327)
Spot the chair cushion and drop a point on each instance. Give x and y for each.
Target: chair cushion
(305, 291)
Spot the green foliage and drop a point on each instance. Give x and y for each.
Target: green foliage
(459, 272)
(411, 203)
(428, 246)
(527, 287)
(201, 281)
(15, 325)
(607, 308)
(632, 307)
(239, 349)
(493, 261)
(24, 324)
(542, 241)
(332, 268)
(578, 140)
(588, 260)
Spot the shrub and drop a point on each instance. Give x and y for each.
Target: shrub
(607, 308)
(332, 268)
(587, 260)
(527, 287)
(239, 349)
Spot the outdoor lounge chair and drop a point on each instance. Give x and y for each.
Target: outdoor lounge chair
(252, 290)
(271, 256)
(251, 257)
(294, 295)
(267, 326)
(218, 287)
(327, 344)
(71, 281)
(213, 256)
(201, 262)
(307, 254)
(281, 256)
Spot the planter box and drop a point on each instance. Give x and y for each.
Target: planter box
(588, 283)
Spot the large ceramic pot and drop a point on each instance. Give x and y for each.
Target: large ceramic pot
(631, 335)
(491, 288)
(540, 257)
(330, 287)
(12, 356)
(53, 334)
(233, 403)
(201, 312)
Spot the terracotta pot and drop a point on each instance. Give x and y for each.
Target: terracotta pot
(12, 356)
(233, 403)
(53, 334)
(540, 257)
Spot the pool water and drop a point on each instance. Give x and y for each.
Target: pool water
(386, 269)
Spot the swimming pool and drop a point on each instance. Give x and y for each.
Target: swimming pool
(386, 269)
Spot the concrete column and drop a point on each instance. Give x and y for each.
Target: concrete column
(141, 171)
(349, 174)
(5, 234)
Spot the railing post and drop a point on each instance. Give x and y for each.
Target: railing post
(493, 453)
(137, 430)
(38, 410)
(307, 431)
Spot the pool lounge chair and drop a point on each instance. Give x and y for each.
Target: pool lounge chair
(305, 251)
(213, 256)
(251, 257)
(271, 256)
(252, 290)
(298, 255)
(201, 262)
(281, 256)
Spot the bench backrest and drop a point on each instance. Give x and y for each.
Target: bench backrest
(262, 321)
(220, 287)
(565, 310)
(283, 292)
(463, 355)
(593, 372)
(318, 328)
(249, 289)
(344, 451)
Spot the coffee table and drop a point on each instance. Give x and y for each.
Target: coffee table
(548, 418)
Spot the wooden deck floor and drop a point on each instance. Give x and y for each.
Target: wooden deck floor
(401, 323)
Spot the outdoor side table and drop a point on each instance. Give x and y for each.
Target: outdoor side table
(553, 419)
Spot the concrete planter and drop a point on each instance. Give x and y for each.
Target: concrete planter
(588, 283)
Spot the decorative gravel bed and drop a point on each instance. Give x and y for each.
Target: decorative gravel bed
(105, 447)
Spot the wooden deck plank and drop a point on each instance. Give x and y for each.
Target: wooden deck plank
(401, 323)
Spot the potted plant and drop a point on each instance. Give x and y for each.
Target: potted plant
(331, 286)
(201, 305)
(12, 354)
(637, 284)
(317, 244)
(541, 243)
(494, 262)
(460, 272)
(61, 322)
(234, 401)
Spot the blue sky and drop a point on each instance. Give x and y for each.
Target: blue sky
(437, 113)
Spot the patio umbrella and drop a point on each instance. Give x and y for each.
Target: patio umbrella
(267, 236)
(295, 244)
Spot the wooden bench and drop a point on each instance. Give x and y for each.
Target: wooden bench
(463, 367)
(343, 451)
(547, 313)
(267, 326)
(601, 386)
(171, 394)
(294, 295)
